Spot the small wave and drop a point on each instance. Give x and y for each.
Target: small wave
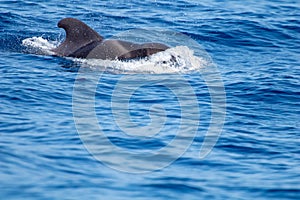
(179, 59)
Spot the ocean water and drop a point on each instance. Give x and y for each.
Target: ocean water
(221, 122)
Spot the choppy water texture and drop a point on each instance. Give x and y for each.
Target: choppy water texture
(255, 46)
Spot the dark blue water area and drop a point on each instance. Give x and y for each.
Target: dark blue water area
(255, 46)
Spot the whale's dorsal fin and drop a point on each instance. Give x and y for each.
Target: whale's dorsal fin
(79, 36)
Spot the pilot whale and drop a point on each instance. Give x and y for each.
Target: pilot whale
(83, 42)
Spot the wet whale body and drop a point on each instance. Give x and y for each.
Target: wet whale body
(83, 42)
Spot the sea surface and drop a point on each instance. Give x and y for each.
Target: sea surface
(216, 116)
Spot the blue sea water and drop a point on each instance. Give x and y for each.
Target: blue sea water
(255, 47)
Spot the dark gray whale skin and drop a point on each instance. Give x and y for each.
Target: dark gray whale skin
(83, 42)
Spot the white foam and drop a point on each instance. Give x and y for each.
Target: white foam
(179, 59)
(39, 45)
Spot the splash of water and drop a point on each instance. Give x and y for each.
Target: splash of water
(39, 45)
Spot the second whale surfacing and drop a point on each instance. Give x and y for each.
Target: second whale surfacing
(83, 42)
